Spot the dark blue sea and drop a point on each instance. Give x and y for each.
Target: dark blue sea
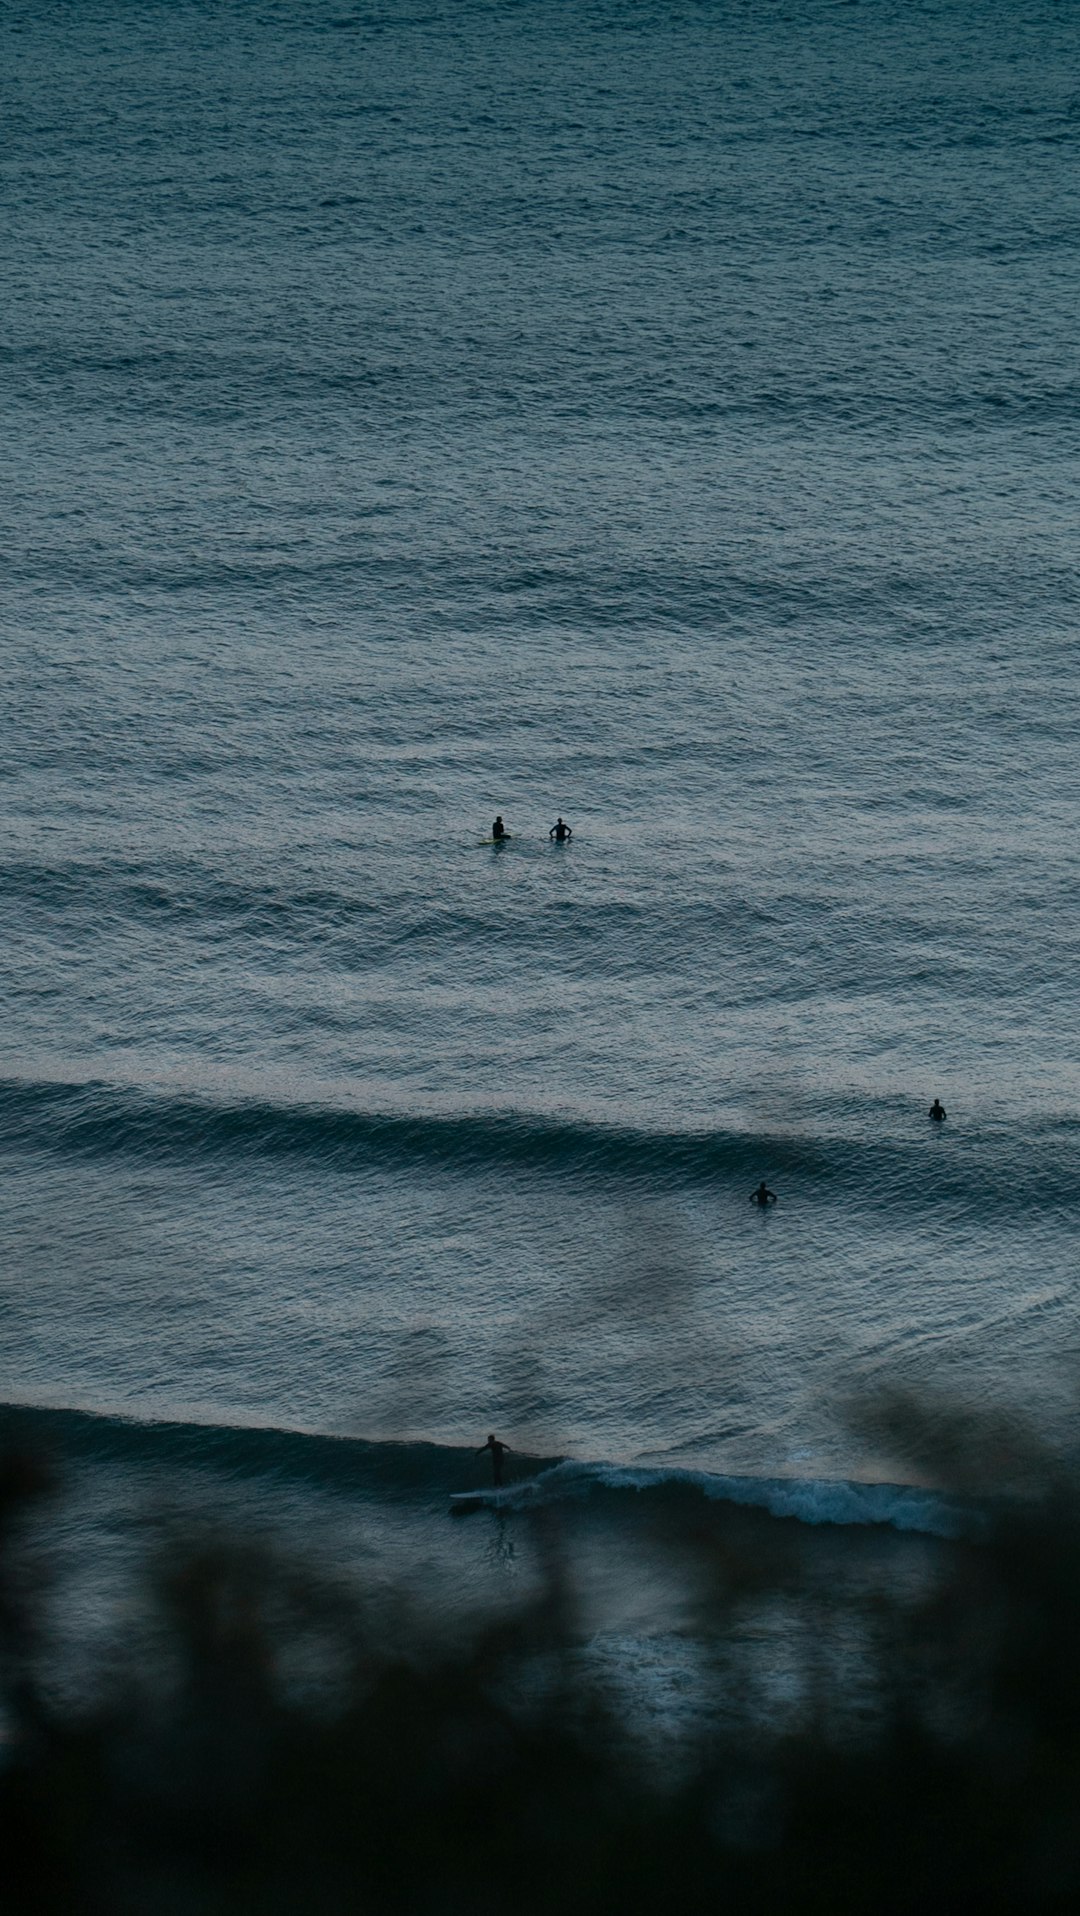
(662, 415)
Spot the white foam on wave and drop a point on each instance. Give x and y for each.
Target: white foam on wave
(810, 1500)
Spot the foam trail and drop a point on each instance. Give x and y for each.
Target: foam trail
(809, 1500)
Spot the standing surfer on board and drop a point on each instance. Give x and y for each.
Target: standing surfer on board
(498, 1452)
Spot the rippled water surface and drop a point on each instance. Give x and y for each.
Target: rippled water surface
(662, 416)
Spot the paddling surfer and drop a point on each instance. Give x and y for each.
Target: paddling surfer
(498, 1452)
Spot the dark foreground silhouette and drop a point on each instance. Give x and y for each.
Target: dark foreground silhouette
(485, 1772)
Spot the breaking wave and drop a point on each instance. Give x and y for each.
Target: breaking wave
(433, 1474)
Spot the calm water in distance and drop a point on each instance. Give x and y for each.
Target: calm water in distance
(666, 416)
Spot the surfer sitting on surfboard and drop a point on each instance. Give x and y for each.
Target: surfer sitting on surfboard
(498, 1452)
(560, 831)
(498, 830)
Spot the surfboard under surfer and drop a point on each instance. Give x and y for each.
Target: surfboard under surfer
(498, 1452)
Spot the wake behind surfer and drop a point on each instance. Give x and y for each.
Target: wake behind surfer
(560, 831)
(498, 1452)
(763, 1197)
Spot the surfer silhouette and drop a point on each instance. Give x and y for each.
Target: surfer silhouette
(560, 831)
(498, 830)
(937, 1110)
(763, 1196)
(498, 1452)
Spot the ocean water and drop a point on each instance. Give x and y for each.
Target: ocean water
(665, 415)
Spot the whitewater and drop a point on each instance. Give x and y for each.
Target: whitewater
(661, 416)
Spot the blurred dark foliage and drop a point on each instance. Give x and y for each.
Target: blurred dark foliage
(481, 1772)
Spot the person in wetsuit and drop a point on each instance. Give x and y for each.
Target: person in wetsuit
(498, 1452)
(763, 1196)
(560, 831)
(498, 830)
(937, 1110)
